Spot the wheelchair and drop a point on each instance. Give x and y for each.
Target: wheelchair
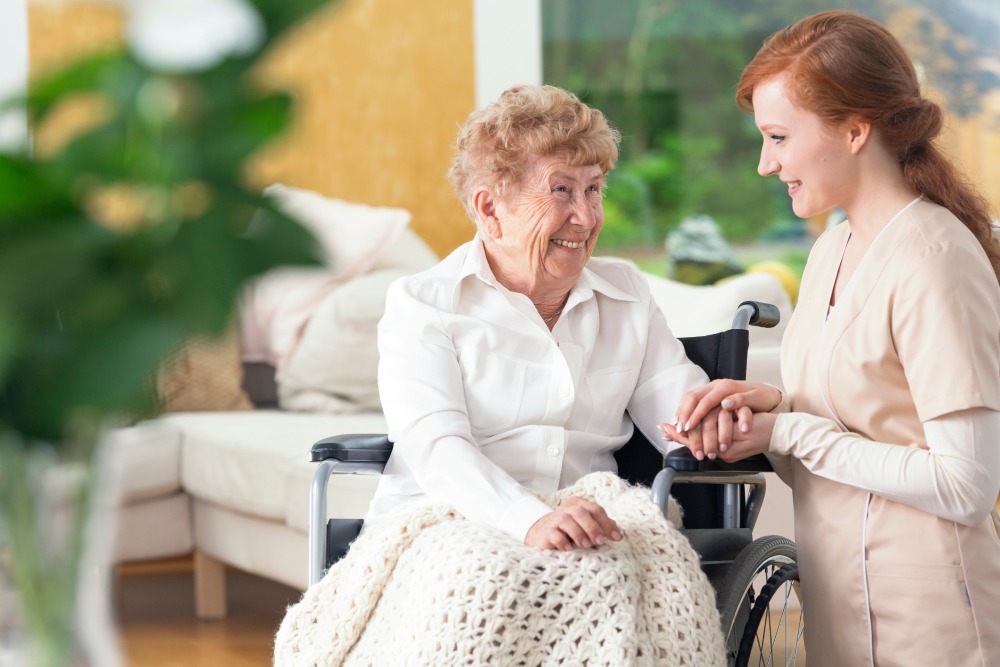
(754, 579)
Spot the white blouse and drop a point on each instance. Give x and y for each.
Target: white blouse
(483, 402)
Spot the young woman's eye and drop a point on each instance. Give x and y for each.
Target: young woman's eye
(777, 138)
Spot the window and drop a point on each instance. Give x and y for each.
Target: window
(665, 72)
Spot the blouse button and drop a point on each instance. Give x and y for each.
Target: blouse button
(564, 392)
(553, 451)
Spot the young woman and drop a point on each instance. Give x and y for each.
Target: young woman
(889, 431)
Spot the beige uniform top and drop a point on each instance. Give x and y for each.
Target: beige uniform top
(915, 335)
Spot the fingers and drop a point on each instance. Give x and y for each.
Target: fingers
(710, 434)
(708, 438)
(577, 523)
(728, 394)
(595, 523)
(696, 404)
(725, 428)
(744, 419)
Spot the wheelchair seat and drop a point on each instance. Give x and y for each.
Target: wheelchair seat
(720, 503)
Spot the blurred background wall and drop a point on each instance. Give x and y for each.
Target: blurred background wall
(382, 87)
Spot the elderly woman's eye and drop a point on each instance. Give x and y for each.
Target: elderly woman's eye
(559, 188)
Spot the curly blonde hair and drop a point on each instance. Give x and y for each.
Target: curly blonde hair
(497, 143)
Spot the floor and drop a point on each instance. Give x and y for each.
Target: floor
(155, 608)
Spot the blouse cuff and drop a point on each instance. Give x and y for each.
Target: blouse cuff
(521, 516)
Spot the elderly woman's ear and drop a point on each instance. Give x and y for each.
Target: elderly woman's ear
(485, 206)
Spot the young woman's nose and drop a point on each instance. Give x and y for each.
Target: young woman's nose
(767, 165)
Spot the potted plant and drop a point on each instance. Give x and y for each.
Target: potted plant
(131, 239)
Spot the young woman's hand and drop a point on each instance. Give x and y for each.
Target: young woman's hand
(577, 523)
(703, 439)
(739, 396)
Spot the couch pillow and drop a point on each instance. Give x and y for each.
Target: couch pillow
(203, 375)
(698, 310)
(334, 368)
(407, 253)
(353, 236)
(275, 308)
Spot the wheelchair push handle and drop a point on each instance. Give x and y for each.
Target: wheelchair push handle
(756, 313)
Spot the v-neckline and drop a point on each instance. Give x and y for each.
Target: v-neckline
(830, 305)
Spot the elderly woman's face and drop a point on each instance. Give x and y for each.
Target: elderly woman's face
(550, 221)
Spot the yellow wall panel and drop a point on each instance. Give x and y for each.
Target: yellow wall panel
(381, 88)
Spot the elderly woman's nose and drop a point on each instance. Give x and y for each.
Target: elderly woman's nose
(585, 212)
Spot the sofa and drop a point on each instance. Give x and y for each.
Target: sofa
(232, 486)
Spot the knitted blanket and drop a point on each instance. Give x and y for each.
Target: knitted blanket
(426, 587)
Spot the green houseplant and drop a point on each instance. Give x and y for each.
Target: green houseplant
(134, 237)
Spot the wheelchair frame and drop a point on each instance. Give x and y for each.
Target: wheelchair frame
(732, 559)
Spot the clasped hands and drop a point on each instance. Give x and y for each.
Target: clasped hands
(726, 419)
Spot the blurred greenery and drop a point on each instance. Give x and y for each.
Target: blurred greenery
(665, 73)
(115, 249)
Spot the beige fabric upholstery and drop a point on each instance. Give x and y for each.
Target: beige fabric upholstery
(242, 460)
(157, 528)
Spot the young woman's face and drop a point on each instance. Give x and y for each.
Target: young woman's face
(811, 157)
(550, 222)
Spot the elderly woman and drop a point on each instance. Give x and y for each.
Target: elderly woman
(508, 373)
(511, 365)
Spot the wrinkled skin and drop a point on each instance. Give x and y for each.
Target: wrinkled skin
(542, 233)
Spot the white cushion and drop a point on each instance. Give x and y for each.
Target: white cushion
(241, 460)
(335, 363)
(276, 307)
(335, 366)
(699, 310)
(353, 236)
(407, 253)
(147, 457)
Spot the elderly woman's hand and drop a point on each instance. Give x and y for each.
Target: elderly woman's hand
(740, 444)
(577, 523)
(738, 400)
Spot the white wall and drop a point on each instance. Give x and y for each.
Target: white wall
(14, 70)
(507, 42)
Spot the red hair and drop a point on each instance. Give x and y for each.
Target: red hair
(841, 65)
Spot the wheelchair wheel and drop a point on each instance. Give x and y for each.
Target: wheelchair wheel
(743, 582)
(771, 630)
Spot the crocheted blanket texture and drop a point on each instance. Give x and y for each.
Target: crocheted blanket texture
(426, 587)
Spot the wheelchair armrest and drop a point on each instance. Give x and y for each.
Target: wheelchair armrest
(353, 448)
(682, 460)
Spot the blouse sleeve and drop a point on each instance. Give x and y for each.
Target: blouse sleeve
(666, 374)
(423, 397)
(957, 477)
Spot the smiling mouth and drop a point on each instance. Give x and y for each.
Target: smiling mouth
(793, 185)
(569, 244)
